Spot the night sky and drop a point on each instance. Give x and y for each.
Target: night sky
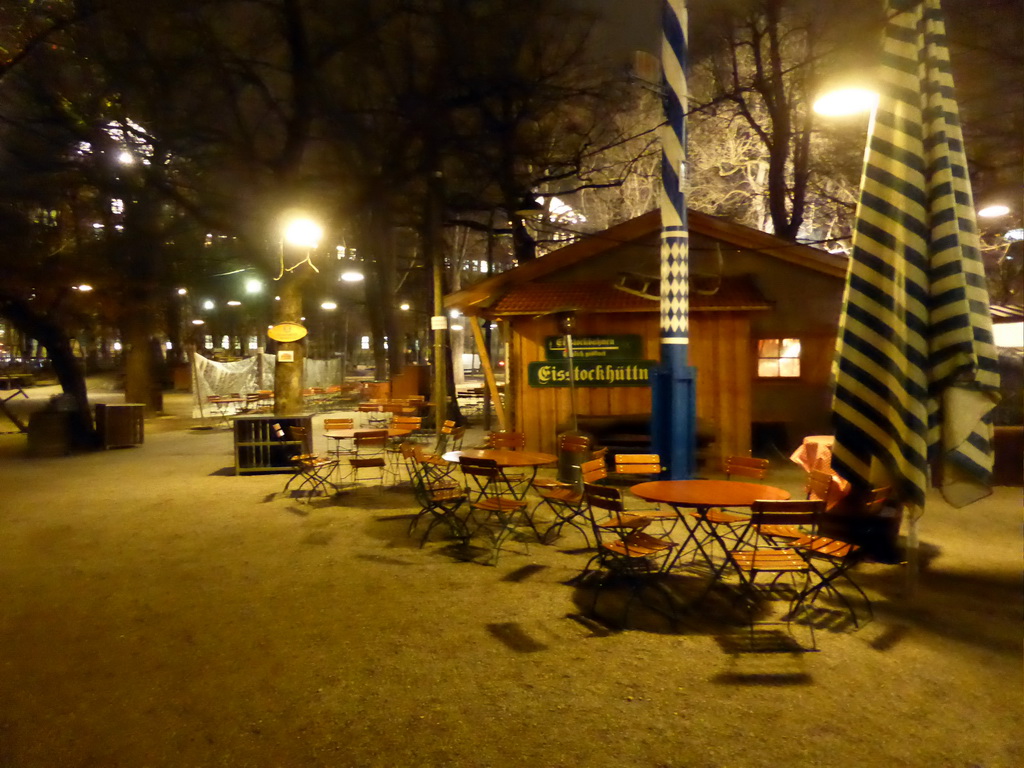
(626, 25)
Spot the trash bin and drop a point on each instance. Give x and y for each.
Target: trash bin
(570, 459)
(120, 425)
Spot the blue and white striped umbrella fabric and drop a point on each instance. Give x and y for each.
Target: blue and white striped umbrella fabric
(916, 376)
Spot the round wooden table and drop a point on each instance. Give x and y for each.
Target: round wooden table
(702, 494)
(506, 459)
(348, 434)
(502, 457)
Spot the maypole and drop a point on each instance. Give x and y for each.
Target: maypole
(674, 388)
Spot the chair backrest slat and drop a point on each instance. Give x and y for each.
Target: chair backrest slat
(506, 440)
(593, 471)
(479, 467)
(746, 466)
(819, 484)
(574, 443)
(603, 497)
(800, 512)
(638, 463)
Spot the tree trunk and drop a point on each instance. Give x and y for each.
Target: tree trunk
(288, 400)
(141, 383)
(68, 370)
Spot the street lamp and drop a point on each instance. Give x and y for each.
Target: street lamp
(298, 233)
(994, 211)
(842, 102)
(303, 234)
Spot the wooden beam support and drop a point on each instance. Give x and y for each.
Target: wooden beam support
(485, 363)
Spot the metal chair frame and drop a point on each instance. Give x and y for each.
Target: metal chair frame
(438, 498)
(484, 483)
(313, 471)
(371, 454)
(755, 555)
(624, 551)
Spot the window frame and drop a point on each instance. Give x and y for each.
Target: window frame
(781, 341)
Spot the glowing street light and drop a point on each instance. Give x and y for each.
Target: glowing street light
(302, 233)
(846, 101)
(994, 211)
(328, 305)
(252, 285)
(351, 276)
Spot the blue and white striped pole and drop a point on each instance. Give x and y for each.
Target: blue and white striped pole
(674, 414)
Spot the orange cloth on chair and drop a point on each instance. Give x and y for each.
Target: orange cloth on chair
(815, 453)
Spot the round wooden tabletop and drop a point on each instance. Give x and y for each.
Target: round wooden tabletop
(707, 493)
(503, 458)
(348, 434)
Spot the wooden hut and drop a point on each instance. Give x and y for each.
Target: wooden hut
(763, 319)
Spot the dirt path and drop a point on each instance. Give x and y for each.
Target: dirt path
(159, 611)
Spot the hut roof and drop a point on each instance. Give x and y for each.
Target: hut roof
(483, 296)
(729, 293)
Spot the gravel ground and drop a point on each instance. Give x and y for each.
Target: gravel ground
(160, 611)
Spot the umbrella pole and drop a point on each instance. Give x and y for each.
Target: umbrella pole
(912, 551)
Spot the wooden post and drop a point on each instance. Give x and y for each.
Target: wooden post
(485, 363)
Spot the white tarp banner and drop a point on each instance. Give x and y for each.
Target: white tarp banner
(250, 375)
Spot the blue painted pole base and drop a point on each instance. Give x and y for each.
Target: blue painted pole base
(674, 417)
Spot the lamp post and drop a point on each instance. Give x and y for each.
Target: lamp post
(299, 236)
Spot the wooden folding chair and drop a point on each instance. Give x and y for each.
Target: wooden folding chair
(507, 441)
(370, 456)
(638, 464)
(488, 494)
(439, 498)
(625, 552)
(340, 448)
(735, 467)
(567, 444)
(565, 500)
(755, 555)
(835, 558)
(312, 470)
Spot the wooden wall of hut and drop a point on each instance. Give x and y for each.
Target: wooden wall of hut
(720, 349)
